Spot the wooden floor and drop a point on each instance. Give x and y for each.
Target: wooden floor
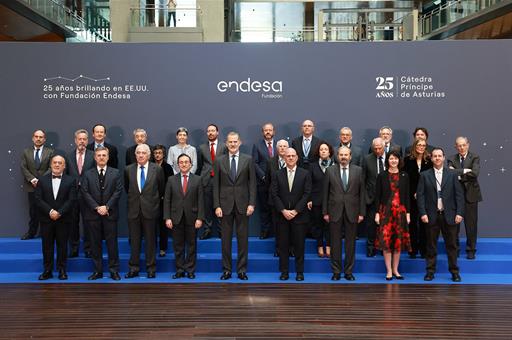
(164, 311)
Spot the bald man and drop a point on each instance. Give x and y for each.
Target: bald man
(306, 144)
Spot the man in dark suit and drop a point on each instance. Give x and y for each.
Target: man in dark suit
(373, 165)
(99, 133)
(35, 162)
(275, 164)
(346, 140)
(55, 196)
(140, 136)
(306, 145)
(262, 151)
(386, 133)
(234, 199)
(144, 183)
(184, 214)
(78, 162)
(291, 191)
(343, 206)
(101, 189)
(441, 206)
(467, 166)
(207, 154)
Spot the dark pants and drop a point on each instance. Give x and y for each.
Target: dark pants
(138, 228)
(33, 223)
(350, 244)
(171, 14)
(227, 223)
(471, 225)
(449, 232)
(297, 232)
(185, 235)
(319, 227)
(371, 226)
(74, 234)
(99, 229)
(163, 236)
(265, 211)
(417, 231)
(211, 220)
(51, 233)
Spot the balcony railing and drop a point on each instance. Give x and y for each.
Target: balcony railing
(161, 16)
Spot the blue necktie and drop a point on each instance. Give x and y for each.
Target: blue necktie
(142, 178)
(233, 168)
(344, 179)
(37, 159)
(307, 147)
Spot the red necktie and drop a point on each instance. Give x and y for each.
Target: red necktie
(269, 147)
(212, 155)
(185, 184)
(80, 162)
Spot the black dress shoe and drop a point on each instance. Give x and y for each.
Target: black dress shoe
(191, 276)
(370, 252)
(45, 275)
(131, 275)
(264, 234)
(27, 236)
(299, 277)
(95, 276)
(335, 277)
(151, 275)
(470, 256)
(456, 278)
(162, 253)
(225, 276)
(73, 253)
(349, 277)
(398, 277)
(276, 253)
(412, 255)
(291, 253)
(88, 254)
(284, 276)
(428, 277)
(206, 234)
(389, 278)
(115, 276)
(63, 275)
(178, 275)
(243, 276)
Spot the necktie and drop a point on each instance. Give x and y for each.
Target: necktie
(101, 178)
(290, 179)
(462, 162)
(269, 148)
(307, 146)
(212, 155)
(387, 148)
(37, 159)
(439, 180)
(281, 164)
(344, 179)
(233, 168)
(142, 178)
(80, 162)
(98, 145)
(381, 165)
(185, 184)
(55, 176)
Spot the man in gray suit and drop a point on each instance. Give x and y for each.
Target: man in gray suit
(144, 182)
(234, 199)
(207, 154)
(467, 166)
(343, 206)
(79, 161)
(35, 162)
(184, 214)
(101, 189)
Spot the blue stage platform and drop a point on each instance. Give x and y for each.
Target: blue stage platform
(21, 262)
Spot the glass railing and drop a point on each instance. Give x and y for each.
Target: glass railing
(161, 16)
(451, 12)
(62, 15)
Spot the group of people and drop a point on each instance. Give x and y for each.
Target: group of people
(402, 199)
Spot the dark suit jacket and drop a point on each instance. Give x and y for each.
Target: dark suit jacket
(392, 146)
(312, 156)
(242, 191)
(112, 153)
(272, 167)
(469, 180)
(317, 177)
(92, 196)
(336, 199)
(411, 167)
(189, 205)
(451, 193)
(260, 157)
(383, 189)
(66, 198)
(370, 176)
(28, 166)
(298, 198)
(146, 202)
(204, 161)
(72, 165)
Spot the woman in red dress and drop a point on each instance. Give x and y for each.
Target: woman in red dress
(393, 216)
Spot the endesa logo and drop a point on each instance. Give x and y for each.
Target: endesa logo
(249, 85)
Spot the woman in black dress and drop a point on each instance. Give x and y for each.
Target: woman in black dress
(392, 199)
(159, 156)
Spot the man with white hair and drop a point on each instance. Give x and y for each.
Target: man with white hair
(346, 140)
(140, 136)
